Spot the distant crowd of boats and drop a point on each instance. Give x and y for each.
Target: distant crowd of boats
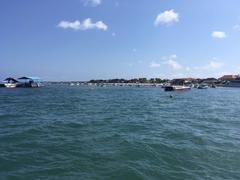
(165, 86)
(232, 83)
(184, 88)
(22, 82)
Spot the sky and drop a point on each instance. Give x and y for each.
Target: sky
(62, 40)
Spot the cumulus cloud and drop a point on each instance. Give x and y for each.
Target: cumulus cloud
(92, 2)
(219, 34)
(211, 66)
(154, 65)
(172, 62)
(167, 17)
(85, 25)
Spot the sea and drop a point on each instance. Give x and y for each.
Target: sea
(119, 133)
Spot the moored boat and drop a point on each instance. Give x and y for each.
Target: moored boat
(176, 88)
(10, 82)
(30, 82)
(202, 86)
(10, 85)
(23, 82)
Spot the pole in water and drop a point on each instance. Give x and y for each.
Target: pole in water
(171, 96)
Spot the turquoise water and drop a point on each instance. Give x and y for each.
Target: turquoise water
(62, 132)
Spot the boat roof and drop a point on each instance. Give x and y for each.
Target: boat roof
(26, 78)
(11, 79)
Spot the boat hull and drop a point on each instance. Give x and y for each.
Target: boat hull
(177, 88)
(10, 85)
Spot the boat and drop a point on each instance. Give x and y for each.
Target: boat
(234, 83)
(195, 85)
(176, 88)
(30, 82)
(10, 82)
(10, 85)
(213, 86)
(202, 86)
(23, 82)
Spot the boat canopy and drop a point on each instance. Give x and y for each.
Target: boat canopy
(29, 78)
(10, 79)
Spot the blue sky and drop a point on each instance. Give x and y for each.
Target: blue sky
(100, 39)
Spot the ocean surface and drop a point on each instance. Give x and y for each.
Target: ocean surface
(63, 132)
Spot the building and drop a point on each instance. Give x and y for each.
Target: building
(229, 77)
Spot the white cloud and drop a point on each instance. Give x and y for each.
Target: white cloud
(92, 2)
(218, 34)
(173, 63)
(211, 66)
(154, 65)
(167, 17)
(85, 25)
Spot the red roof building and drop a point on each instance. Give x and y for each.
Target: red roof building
(229, 77)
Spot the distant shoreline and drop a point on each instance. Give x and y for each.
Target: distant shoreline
(149, 82)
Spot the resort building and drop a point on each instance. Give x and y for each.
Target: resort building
(229, 77)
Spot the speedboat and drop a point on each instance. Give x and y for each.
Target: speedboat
(176, 88)
(10, 82)
(10, 85)
(202, 86)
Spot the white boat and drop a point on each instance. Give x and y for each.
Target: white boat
(10, 82)
(10, 85)
(202, 86)
(176, 88)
